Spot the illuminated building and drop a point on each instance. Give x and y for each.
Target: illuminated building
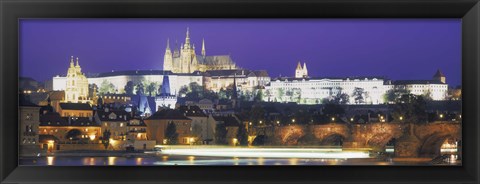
(113, 120)
(76, 90)
(166, 99)
(357, 90)
(75, 110)
(157, 124)
(86, 129)
(186, 60)
(28, 117)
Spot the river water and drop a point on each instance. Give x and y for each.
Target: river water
(228, 156)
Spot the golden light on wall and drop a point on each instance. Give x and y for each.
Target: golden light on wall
(92, 137)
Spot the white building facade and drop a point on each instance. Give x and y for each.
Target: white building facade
(121, 78)
(317, 90)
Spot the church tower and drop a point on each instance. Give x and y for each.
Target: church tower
(439, 77)
(165, 99)
(305, 71)
(186, 53)
(203, 48)
(168, 58)
(76, 90)
(299, 71)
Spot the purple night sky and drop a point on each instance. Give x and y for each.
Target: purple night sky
(395, 48)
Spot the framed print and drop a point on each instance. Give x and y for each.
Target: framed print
(239, 91)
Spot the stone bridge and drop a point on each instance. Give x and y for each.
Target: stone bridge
(409, 140)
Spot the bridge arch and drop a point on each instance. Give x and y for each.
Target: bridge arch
(379, 141)
(431, 146)
(333, 139)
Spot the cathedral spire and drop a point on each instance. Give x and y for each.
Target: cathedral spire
(203, 48)
(168, 43)
(299, 66)
(187, 39)
(77, 65)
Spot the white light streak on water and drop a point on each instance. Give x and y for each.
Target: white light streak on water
(268, 152)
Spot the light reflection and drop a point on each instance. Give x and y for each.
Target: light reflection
(111, 160)
(139, 161)
(50, 160)
(269, 152)
(164, 158)
(293, 161)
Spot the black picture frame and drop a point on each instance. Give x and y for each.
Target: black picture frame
(13, 10)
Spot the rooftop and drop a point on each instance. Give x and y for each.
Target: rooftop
(168, 114)
(75, 106)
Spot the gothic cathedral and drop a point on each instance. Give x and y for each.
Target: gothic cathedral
(186, 60)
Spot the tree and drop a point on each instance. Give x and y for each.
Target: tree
(242, 136)
(73, 134)
(140, 89)
(412, 109)
(331, 109)
(280, 94)
(259, 96)
(106, 138)
(393, 95)
(340, 98)
(129, 88)
(171, 133)
(151, 89)
(106, 87)
(358, 95)
(221, 134)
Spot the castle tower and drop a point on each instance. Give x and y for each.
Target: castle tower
(165, 91)
(165, 99)
(168, 58)
(439, 77)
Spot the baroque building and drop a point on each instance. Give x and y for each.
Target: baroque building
(186, 60)
(76, 90)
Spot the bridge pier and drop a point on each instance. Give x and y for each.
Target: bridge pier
(408, 145)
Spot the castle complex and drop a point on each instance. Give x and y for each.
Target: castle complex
(183, 67)
(187, 61)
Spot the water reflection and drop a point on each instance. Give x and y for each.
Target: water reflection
(50, 160)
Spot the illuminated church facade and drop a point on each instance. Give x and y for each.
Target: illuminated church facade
(76, 89)
(185, 59)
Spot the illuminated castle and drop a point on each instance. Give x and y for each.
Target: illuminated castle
(186, 60)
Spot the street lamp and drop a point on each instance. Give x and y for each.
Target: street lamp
(333, 118)
(293, 120)
(401, 118)
(278, 122)
(260, 122)
(351, 119)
